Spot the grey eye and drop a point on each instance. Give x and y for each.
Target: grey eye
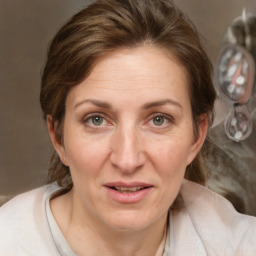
(158, 120)
(97, 120)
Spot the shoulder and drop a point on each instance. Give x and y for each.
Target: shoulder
(26, 205)
(23, 222)
(22, 202)
(219, 225)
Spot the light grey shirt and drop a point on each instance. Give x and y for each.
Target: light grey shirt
(207, 225)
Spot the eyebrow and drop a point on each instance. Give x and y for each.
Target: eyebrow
(162, 103)
(97, 103)
(103, 104)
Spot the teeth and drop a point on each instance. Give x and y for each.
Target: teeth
(130, 189)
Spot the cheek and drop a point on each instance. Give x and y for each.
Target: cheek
(86, 154)
(169, 154)
(169, 161)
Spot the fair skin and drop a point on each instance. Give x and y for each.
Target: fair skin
(128, 126)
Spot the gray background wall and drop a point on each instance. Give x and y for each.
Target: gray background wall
(26, 27)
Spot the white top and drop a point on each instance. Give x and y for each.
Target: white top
(207, 225)
(61, 243)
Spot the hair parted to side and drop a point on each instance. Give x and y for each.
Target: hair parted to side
(108, 25)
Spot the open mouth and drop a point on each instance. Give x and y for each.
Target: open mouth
(124, 192)
(128, 189)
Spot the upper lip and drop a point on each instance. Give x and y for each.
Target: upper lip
(128, 184)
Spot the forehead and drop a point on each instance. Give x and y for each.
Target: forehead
(146, 71)
(138, 63)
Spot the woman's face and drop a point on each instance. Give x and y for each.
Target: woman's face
(128, 137)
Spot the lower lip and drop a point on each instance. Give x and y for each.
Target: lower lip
(130, 197)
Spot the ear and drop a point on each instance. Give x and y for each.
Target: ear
(199, 139)
(56, 142)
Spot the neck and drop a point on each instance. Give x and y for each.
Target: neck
(87, 236)
(114, 244)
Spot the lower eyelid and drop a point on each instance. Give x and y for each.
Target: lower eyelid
(166, 122)
(87, 120)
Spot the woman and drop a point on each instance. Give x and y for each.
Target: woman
(127, 96)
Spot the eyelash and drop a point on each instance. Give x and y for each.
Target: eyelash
(169, 119)
(89, 119)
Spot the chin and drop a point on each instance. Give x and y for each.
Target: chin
(130, 220)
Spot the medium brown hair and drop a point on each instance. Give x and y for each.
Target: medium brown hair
(108, 25)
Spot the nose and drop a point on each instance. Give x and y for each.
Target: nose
(127, 151)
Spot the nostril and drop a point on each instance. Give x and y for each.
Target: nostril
(126, 150)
